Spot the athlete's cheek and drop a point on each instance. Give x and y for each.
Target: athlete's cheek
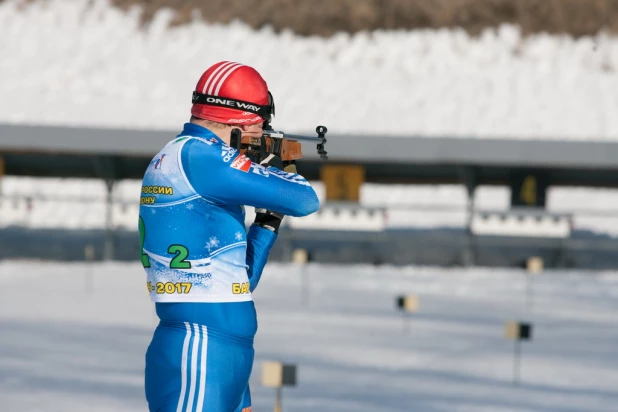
(253, 133)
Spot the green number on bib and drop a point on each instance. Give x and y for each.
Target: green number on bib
(181, 252)
(178, 262)
(142, 236)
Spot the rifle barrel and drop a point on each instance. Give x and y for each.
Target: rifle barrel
(300, 137)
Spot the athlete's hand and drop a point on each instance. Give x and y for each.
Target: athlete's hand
(268, 219)
(272, 160)
(275, 161)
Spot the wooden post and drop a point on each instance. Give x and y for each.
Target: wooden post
(518, 331)
(407, 305)
(301, 257)
(89, 275)
(278, 399)
(276, 375)
(534, 266)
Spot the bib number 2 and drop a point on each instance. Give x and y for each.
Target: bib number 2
(181, 252)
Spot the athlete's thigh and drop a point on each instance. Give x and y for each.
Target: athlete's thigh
(164, 362)
(229, 367)
(196, 370)
(245, 404)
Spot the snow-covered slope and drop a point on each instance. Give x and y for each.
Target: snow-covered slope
(78, 62)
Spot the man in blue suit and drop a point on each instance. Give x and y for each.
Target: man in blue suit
(201, 263)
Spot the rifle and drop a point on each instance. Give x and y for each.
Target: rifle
(286, 146)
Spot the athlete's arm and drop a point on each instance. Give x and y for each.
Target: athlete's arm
(259, 243)
(224, 176)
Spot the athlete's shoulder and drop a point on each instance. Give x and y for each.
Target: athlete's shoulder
(216, 151)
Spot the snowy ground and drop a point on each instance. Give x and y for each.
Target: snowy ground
(72, 338)
(80, 62)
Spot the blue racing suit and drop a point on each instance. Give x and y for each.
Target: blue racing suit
(202, 266)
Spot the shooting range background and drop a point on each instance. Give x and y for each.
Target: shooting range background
(73, 335)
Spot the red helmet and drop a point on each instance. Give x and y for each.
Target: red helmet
(232, 93)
